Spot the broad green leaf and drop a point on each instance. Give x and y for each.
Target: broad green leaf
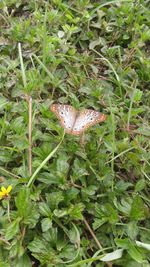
(90, 190)
(46, 223)
(3, 102)
(135, 253)
(95, 43)
(131, 249)
(71, 194)
(74, 235)
(17, 249)
(69, 252)
(54, 199)
(26, 208)
(99, 222)
(117, 254)
(44, 209)
(23, 202)
(132, 230)
(140, 185)
(124, 205)
(23, 261)
(12, 229)
(51, 236)
(143, 245)
(37, 245)
(123, 243)
(138, 210)
(137, 95)
(60, 212)
(75, 211)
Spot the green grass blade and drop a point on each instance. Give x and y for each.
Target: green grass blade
(22, 66)
(32, 179)
(112, 67)
(44, 67)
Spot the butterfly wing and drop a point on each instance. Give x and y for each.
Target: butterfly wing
(86, 119)
(66, 115)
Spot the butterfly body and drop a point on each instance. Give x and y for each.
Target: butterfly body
(75, 122)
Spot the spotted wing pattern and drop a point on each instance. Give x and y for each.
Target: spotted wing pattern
(86, 119)
(66, 114)
(75, 122)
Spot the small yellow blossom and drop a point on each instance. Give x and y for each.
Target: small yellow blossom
(4, 192)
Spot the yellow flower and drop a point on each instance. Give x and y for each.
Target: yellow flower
(4, 192)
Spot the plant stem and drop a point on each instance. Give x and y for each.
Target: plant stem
(92, 233)
(10, 173)
(29, 100)
(8, 211)
(113, 139)
(120, 154)
(130, 109)
(31, 180)
(30, 136)
(22, 66)
(44, 36)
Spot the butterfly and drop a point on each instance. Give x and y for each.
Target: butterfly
(76, 122)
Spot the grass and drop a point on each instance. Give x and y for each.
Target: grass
(75, 202)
